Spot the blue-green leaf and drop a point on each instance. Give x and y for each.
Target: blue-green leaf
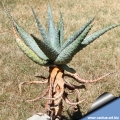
(68, 53)
(97, 34)
(89, 39)
(29, 53)
(51, 28)
(42, 31)
(48, 51)
(76, 34)
(29, 41)
(61, 27)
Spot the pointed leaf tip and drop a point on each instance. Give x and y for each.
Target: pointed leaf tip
(42, 31)
(61, 27)
(97, 34)
(68, 53)
(77, 34)
(8, 14)
(29, 41)
(89, 39)
(51, 31)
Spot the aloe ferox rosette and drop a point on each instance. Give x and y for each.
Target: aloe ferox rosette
(54, 53)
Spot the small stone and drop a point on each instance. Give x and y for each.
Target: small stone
(39, 116)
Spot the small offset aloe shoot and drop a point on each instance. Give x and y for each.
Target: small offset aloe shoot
(53, 53)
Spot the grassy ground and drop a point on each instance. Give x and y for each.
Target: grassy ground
(100, 57)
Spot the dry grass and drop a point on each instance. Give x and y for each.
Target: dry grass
(100, 57)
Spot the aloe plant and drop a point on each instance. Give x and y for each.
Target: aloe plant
(54, 53)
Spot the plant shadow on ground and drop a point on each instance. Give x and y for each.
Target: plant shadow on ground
(75, 115)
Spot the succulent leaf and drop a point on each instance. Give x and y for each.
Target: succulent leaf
(51, 30)
(89, 39)
(49, 52)
(97, 34)
(52, 51)
(76, 34)
(8, 14)
(61, 27)
(29, 41)
(30, 53)
(67, 54)
(42, 31)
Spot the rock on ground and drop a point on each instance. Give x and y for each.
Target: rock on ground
(39, 116)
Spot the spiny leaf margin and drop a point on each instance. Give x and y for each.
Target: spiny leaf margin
(68, 53)
(42, 31)
(28, 40)
(48, 51)
(29, 53)
(89, 39)
(76, 34)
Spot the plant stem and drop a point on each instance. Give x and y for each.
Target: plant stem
(56, 83)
